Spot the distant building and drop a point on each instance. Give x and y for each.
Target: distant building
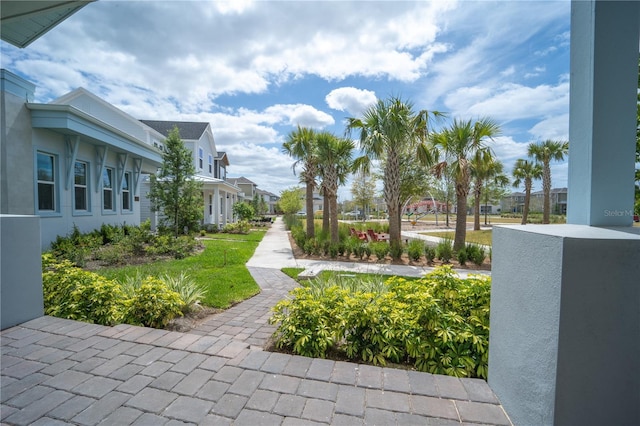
(514, 202)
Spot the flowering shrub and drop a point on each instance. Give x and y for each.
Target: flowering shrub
(439, 323)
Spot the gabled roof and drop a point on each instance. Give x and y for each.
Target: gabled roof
(23, 22)
(241, 180)
(222, 156)
(263, 192)
(188, 130)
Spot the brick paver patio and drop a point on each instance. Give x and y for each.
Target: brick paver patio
(55, 371)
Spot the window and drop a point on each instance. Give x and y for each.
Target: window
(80, 190)
(46, 182)
(107, 189)
(210, 164)
(126, 192)
(210, 204)
(201, 158)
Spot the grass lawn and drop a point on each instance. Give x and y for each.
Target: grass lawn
(479, 237)
(220, 268)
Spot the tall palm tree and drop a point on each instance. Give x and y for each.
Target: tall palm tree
(460, 144)
(483, 169)
(544, 153)
(334, 158)
(386, 128)
(301, 145)
(526, 171)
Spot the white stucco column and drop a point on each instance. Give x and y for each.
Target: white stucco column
(565, 299)
(604, 80)
(216, 206)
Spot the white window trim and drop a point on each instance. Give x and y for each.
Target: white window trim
(113, 210)
(56, 185)
(127, 191)
(201, 158)
(87, 189)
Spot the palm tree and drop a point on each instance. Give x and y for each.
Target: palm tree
(484, 169)
(301, 145)
(462, 143)
(387, 128)
(334, 158)
(544, 153)
(526, 171)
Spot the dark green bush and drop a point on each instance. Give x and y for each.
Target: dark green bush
(380, 249)
(444, 250)
(429, 253)
(415, 248)
(475, 253)
(462, 256)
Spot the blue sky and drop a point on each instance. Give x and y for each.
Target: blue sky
(257, 69)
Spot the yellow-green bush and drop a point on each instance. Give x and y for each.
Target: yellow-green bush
(73, 293)
(70, 292)
(440, 323)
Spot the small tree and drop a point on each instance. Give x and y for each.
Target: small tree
(174, 192)
(363, 190)
(290, 201)
(243, 210)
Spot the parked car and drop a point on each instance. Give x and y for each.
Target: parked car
(636, 218)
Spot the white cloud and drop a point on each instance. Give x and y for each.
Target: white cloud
(351, 100)
(555, 127)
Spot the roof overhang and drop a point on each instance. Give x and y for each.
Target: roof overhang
(23, 22)
(68, 120)
(209, 181)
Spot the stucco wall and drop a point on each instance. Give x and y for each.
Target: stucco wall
(20, 270)
(565, 317)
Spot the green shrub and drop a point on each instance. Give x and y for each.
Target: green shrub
(396, 250)
(334, 250)
(415, 248)
(439, 323)
(475, 253)
(179, 248)
(462, 256)
(115, 253)
(380, 249)
(241, 227)
(444, 250)
(72, 293)
(153, 304)
(429, 253)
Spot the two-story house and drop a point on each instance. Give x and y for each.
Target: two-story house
(77, 161)
(219, 194)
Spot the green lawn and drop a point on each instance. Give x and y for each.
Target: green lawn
(479, 237)
(220, 268)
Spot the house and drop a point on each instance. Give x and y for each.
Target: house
(247, 187)
(270, 199)
(77, 161)
(219, 193)
(514, 202)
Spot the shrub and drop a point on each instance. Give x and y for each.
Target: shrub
(380, 249)
(415, 249)
(69, 292)
(241, 227)
(334, 250)
(444, 250)
(475, 253)
(179, 247)
(429, 253)
(462, 256)
(153, 304)
(396, 250)
(115, 253)
(439, 323)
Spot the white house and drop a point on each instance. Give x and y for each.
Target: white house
(220, 194)
(75, 161)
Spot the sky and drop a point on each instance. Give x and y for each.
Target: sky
(257, 69)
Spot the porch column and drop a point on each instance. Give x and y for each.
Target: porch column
(565, 299)
(216, 206)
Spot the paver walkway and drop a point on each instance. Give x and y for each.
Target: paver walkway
(55, 371)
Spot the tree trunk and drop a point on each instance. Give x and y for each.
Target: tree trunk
(311, 232)
(333, 207)
(476, 205)
(546, 190)
(392, 197)
(527, 199)
(327, 211)
(461, 217)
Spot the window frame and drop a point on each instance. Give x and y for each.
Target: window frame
(201, 158)
(106, 171)
(210, 164)
(126, 179)
(87, 189)
(54, 183)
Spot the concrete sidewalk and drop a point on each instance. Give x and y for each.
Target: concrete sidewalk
(62, 372)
